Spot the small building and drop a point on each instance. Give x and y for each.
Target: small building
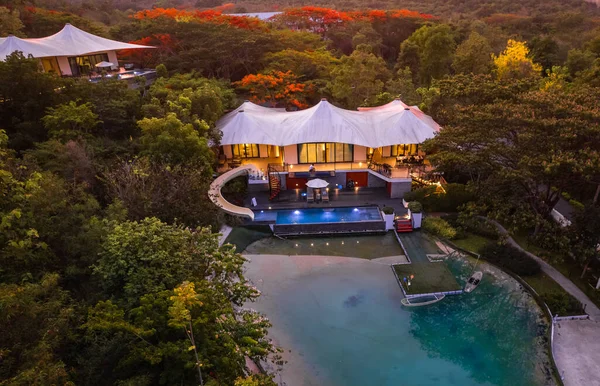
(69, 52)
(376, 147)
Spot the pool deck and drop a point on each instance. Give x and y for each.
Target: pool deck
(289, 199)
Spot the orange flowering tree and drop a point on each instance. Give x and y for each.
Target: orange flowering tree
(210, 15)
(164, 45)
(320, 20)
(276, 88)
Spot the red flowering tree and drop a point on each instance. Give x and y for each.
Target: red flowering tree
(210, 15)
(276, 88)
(320, 20)
(164, 45)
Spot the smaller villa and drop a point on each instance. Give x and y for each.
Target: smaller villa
(376, 147)
(70, 52)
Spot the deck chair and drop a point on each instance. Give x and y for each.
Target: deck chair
(318, 197)
(325, 196)
(310, 197)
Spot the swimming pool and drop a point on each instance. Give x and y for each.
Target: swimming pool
(320, 215)
(341, 323)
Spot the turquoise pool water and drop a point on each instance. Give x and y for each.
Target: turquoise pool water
(349, 329)
(320, 215)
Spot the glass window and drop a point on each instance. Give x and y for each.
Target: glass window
(247, 150)
(325, 152)
(404, 150)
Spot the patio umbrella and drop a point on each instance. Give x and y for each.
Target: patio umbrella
(317, 183)
(104, 64)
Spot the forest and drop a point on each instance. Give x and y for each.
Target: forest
(110, 267)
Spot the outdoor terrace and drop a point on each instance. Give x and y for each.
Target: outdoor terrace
(387, 168)
(294, 198)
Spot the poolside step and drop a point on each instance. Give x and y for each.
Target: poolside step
(275, 187)
(404, 226)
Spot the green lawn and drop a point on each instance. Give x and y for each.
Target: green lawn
(241, 237)
(472, 242)
(428, 277)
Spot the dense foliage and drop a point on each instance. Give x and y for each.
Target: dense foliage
(109, 272)
(511, 258)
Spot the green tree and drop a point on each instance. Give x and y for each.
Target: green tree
(473, 56)
(434, 46)
(496, 141)
(171, 141)
(25, 94)
(436, 54)
(36, 323)
(171, 193)
(584, 236)
(161, 71)
(10, 23)
(70, 121)
(175, 302)
(578, 61)
(409, 57)
(193, 98)
(401, 86)
(358, 78)
(309, 65)
(545, 51)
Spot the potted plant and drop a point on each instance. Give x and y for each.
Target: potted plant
(388, 215)
(415, 210)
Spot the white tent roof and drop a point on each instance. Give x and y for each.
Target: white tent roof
(373, 127)
(70, 41)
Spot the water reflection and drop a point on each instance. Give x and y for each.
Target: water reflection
(495, 333)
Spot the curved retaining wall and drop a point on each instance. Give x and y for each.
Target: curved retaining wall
(214, 192)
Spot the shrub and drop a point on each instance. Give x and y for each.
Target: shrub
(435, 200)
(415, 207)
(161, 71)
(479, 226)
(388, 210)
(511, 258)
(439, 227)
(561, 303)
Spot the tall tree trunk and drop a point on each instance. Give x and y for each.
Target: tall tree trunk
(587, 264)
(597, 194)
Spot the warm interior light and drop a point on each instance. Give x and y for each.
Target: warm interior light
(360, 164)
(291, 166)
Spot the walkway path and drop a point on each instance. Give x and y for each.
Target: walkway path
(592, 310)
(576, 345)
(223, 233)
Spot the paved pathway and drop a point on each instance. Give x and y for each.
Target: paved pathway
(223, 233)
(576, 345)
(592, 310)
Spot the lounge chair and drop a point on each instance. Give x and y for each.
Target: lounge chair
(318, 197)
(325, 196)
(310, 197)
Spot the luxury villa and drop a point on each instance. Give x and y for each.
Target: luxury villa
(371, 147)
(71, 52)
(282, 151)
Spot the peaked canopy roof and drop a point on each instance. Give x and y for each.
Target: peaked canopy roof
(390, 124)
(70, 41)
